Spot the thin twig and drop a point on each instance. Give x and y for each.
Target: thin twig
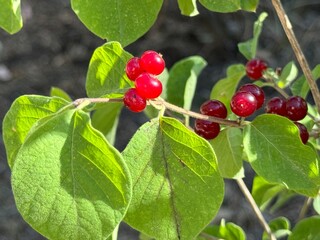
(304, 208)
(81, 102)
(255, 208)
(286, 24)
(177, 109)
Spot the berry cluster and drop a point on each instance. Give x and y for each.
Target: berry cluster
(143, 72)
(247, 100)
(207, 129)
(295, 108)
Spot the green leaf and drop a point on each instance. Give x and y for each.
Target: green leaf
(23, 114)
(222, 6)
(10, 15)
(177, 189)
(276, 153)
(106, 74)
(306, 229)
(249, 48)
(288, 74)
(229, 231)
(280, 227)
(224, 89)
(228, 148)
(68, 182)
(106, 119)
(117, 20)
(263, 192)
(300, 87)
(58, 92)
(249, 5)
(316, 204)
(188, 7)
(182, 81)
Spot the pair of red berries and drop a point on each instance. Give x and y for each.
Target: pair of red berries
(244, 102)
(247, 100)
(207, 129)
(295, 108)
(143, 72)
(249, 97)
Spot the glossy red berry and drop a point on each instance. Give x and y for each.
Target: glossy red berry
(303, 131)
(133, 69)
(256, 91)
(255, 68)
(148, 86)
(296, 107)
(214, 108)
(277, 106)
(152, 62)
(206, 129)
(243, 104)
(133, 101)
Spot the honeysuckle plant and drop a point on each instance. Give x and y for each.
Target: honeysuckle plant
(70, 182)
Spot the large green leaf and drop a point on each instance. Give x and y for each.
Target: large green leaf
(276, 153)
(182, 81)
(106, 74)
(106, 119)
(306, 229)
(224, 89)
(68, 182)
(188, 7)
(249, 48)
(23, 114)
(229, 148)
(301, 87)
(118, 20)
(177, 189)
(10, 15)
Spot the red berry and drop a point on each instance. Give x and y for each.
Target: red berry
(255, 68)
(256, 91)
(206, 129)
(296, 107)
(214, 108)
(277, 106)
(148, 86)
(303, 131)
(152, 62)
(133, 69)
(134, 101)
(243, 104)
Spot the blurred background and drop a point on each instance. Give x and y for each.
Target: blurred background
(54, 48)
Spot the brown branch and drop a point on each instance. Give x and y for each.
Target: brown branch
(83, 102)
(255, 208)
(287, 27)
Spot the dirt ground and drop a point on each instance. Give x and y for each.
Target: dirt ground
(54, 49)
